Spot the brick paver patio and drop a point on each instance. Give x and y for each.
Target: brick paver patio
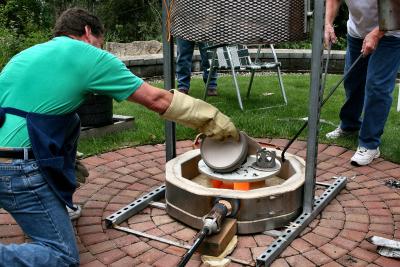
(336, 238)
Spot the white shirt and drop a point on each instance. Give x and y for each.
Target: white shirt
(363, 18)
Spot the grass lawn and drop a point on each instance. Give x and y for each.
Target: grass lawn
(278, 122)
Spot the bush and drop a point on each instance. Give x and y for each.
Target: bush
(12, 43)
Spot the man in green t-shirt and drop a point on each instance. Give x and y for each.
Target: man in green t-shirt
(40, 88)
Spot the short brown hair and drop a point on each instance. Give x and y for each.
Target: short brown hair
(73, 22)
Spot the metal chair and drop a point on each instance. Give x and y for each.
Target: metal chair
(237, 58)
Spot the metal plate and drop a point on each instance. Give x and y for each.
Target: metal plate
(246, 173)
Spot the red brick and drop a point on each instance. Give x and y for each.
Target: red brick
(315, 239)
(381, 228)
(151, 256)
(10, 231)
(246, 242)
(348, 260)
(334, 151)
(7, 219)
(101, 247)
(317, 257)
(375, 205)
(394, 172)
(95, 204)
(333, 215)
(299, 260)
(243, 254)
(364, 254)
(338, 224)
(358, 218)
(143, 226)
(327, 232)
(91, 239)
(94, 263)
(185, 234)
(263, 240)
(167, 261)
(171, 227)
(380, 212)
(175, 251)
(125, 240)
(353, 235)
(344, 243)
(387, 262)
(361, 192)
(361, 227)
(279, 263)
(332, 264)
(110, 256)
(289, 251)
(86, 258)
(90, 229)
(333, 251)
(136, 249)
(124, 262)
(89, 221)
(300, 245)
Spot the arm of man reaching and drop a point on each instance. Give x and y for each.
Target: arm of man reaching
(186, 110)
(331, 10)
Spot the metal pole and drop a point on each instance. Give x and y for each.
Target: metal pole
(169, 80)
(316, 94)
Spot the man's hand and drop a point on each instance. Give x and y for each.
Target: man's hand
(197, 114)
(330, 36)
(371, 41)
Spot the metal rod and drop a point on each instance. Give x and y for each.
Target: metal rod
(298, 225)
(194, 247)
(159, 205)
(323, 184)
(169, 80)
(153, 237)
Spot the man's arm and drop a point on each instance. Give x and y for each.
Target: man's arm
(151, 97)
(186, 110)
(331, 10)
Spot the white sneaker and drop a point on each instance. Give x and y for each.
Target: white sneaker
(339, 132)
(364, 156)
(74, 214)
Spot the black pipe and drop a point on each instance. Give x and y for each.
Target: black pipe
(211, 225)
(194, 247)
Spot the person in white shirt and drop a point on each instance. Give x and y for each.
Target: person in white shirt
(370, 84)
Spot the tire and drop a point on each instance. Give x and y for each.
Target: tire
(96, 111)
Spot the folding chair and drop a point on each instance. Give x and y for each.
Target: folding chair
(237, 58)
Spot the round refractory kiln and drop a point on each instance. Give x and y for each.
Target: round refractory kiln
(260, 204)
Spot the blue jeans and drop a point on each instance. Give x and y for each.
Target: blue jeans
(184, 64)
(369, 89)
(25, 194)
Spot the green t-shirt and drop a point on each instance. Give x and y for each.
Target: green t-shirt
(54, 78)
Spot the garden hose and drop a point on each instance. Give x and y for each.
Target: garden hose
(333, 89)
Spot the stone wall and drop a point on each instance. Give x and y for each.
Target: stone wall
(292, 60)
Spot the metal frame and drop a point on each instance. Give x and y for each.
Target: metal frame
(298, 225)
(311, 206)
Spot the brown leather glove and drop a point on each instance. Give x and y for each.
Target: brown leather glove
(197, 114)
(80, 172)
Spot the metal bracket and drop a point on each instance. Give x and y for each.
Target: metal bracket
(287, 236)
(136, 206)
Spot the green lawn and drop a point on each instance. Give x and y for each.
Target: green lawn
(278, 122)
